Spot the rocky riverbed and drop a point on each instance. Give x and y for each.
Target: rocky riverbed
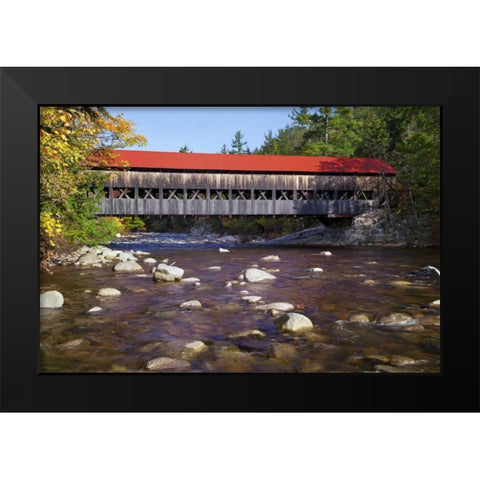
(203, 307)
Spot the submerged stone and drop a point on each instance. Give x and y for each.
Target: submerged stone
(166, 363)
(359, 318)
(248, 333)
(397, 319)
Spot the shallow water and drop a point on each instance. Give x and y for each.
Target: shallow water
(146, 322)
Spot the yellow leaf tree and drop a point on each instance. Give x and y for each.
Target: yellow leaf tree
(69, 137)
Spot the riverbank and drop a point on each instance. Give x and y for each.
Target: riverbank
(370, 229)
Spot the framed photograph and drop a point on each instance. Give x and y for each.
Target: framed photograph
(350, 313)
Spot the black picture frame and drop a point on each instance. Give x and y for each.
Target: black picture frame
(23, 89)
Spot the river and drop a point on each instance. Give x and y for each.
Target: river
(145, 322)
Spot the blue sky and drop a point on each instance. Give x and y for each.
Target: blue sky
(203, 129)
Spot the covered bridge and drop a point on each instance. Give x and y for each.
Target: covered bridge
(203, 184)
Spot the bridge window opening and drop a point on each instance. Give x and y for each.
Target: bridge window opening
(324, 195)
(218, 194)
(193, 194)
(123, 192)
(284, 195)
(365, 195)
(304, 195)
(151, 193)
(241, 194)
(346, 194)
(173, 193)
(262, 194)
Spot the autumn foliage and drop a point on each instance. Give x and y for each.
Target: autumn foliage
(69, 136)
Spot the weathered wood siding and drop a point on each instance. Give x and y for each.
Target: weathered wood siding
(221, 194)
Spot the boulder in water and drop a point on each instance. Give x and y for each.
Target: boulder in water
(128, 266)
(427, 271)
(271, 258)
(94, 310)
(294, 322)
(51, 299)
(88, 258)
(359, 318)
(278, 306)
(109, 292)
(397, 319)
(251, 298)
(166, 363)
(256, 275)
(149, 260)
(167, 273)
(191, 304)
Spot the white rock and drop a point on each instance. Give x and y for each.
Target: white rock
(197, 284)
(251, 298)
(88, 258)
(215, 268)
(51, 299)
(139, 252)
(118, 235)
(244, 292)
(280, 306)
(190, 280)
(109, 292)
(256, 275)
(94, 309)
(195, 347)
(435, 303)
(240, 277)
(326, 254)
(175, 272)
(223, 250)
(228, 285)
(149, 260)
(271, 258)
(294, 322)
(125, 257)
(161, 363)
(128, 266)
(314, 270)
(191, 304)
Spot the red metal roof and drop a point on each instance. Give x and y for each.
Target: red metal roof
(250, 163)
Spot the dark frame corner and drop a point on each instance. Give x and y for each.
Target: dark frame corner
(24, 89)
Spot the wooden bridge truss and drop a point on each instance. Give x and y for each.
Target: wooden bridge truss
(226, 194)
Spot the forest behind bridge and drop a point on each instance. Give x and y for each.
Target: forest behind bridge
(408, 138)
